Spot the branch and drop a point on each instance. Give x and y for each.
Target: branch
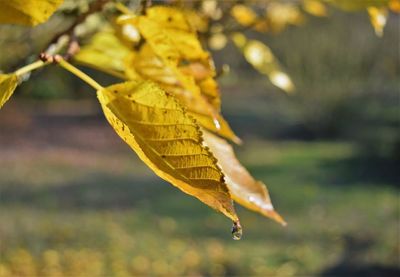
(144, 4)
(73, 45)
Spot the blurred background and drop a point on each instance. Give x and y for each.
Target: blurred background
(76, 201)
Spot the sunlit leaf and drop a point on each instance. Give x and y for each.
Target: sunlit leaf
(280, 15)
(217, 41)
(244, 189)
(211, 9)
(315, 7)
(169, 17)
(261, 58)
(127, 31)
(8, 83)
(196, 20)
(378, 18)
(244, 15)
(281, 80)
(104, 52)
(27, 12)
(167, 139)
(394, 6)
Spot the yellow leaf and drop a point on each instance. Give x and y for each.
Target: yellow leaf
(169, 141)
(261, 58)
(315, 7)
(280, 15)
(27, 12)
(198, 22)
(378, 18)
(244, 15)
(169, 18)
(126, 30)
(394, 6)
(8, 83)
(104, 52)
(210, 8)
(248, 192)
(281, 80)
(217, 41)
(171, 44)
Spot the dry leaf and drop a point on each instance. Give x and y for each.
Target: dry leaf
(244, 189)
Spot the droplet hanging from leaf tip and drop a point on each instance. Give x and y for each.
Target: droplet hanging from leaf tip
(237, 230)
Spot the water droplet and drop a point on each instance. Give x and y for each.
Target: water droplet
(237, 230)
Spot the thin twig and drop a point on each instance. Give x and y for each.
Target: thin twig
(94, 7)
(144, 5)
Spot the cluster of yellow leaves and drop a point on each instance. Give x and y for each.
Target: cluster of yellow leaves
(172, 93)
(276, 16)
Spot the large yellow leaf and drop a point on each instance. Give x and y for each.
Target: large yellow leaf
(244, 189)
(167, 139)
(8, 83)
(27, 12)
(104, 52)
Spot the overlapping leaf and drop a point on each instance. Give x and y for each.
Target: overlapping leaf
(8, 83)
(104, 52)
(244, 189)
(167, 139)
(173, 57)
(27, 12)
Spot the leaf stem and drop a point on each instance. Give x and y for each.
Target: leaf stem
(30, 67)
(80, 74)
